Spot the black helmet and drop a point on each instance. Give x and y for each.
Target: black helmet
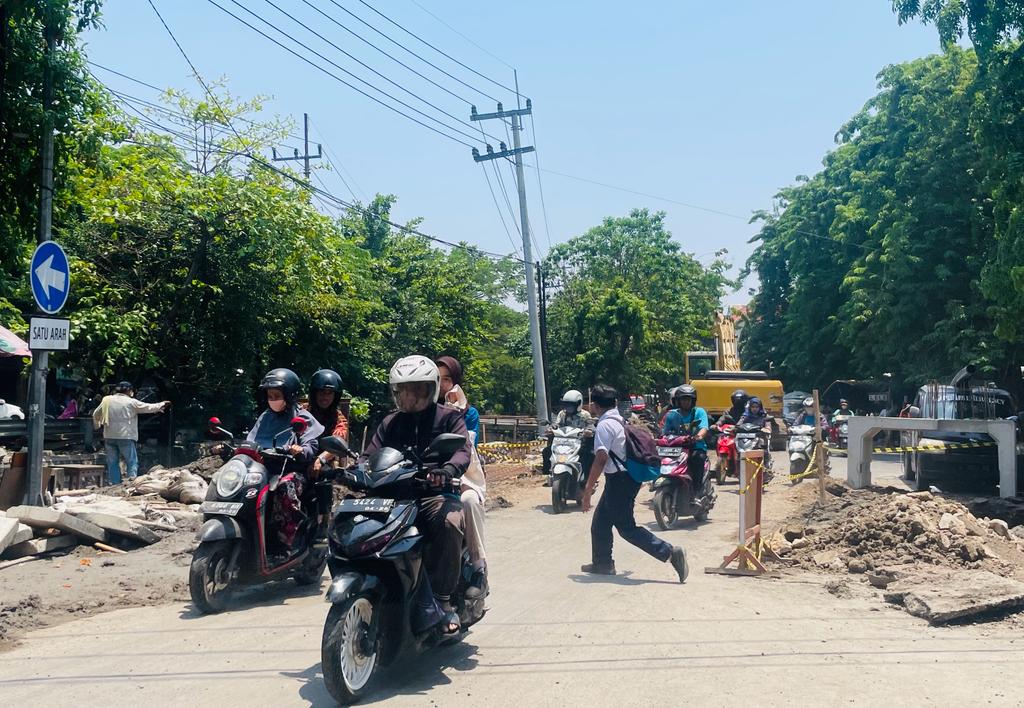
(284, 379)
(325, 380)
(684, 391)
(739, 398)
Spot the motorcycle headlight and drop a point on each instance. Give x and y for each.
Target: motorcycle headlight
(230, 478)
(843, 427)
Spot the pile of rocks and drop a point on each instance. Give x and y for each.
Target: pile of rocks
(865, 531)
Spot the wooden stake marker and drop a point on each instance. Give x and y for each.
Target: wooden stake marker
(750, 549)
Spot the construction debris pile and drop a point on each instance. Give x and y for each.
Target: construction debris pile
(912, 544)
(114, 520)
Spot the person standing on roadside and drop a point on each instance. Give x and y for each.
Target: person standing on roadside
(615, 508)
(118, 415)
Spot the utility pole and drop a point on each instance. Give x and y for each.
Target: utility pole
(41, 359)
(517, 151)
(305, 156)
(542, 293)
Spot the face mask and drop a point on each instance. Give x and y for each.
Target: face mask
(277, 405)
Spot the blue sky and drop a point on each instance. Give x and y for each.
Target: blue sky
(712, 104)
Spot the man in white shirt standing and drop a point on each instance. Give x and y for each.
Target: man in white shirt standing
(615, 508)
(118, 415)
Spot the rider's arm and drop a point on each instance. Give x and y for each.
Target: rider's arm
(669, 423)
(701, 416)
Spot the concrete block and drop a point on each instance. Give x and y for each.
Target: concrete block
(941, 596)
(45, 518)
(119, 526)
(8, 527)
(36, 546)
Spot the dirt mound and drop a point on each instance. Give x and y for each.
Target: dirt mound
(865, 531)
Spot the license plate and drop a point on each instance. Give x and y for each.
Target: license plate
(217, 507)
(669, 451)
(366, 505)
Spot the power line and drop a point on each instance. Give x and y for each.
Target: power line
(529, 230)
(343, 81)
(388, 55)
(409, 51)
(336, 163)
(468, 39)
(497, 206)
(439, 51)
(353, 58)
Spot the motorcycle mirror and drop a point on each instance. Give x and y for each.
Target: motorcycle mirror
(336, 446)
(214, 423)
(298, 425)
(444, 445)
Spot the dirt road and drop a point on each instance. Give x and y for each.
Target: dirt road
(552, 637)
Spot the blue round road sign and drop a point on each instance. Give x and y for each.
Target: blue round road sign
(50, 277)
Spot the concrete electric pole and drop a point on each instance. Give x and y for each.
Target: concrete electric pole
(305, 156)
(539, 385)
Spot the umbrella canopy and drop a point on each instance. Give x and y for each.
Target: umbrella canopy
(12, 345)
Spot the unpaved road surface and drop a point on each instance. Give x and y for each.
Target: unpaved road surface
(552, 638)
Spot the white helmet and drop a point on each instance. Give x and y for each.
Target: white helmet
(405, 374)
(572, 397)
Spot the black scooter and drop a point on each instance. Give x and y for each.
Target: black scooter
(237, 542)
(377, 570)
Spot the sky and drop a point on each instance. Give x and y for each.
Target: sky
(707, 108)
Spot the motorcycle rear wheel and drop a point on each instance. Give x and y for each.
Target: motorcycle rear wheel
(665, 511)
(348, 664)
(558, 494)
(210, 576)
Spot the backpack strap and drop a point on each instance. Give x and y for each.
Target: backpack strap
(620, 465)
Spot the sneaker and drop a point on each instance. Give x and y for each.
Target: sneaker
(678, 561)
(599, 568)
(478, 586)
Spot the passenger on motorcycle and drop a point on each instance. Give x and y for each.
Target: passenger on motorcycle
(570, 415)
(756, 415)
(474, 483)
(739, 400)
(279, 393)
(686, 418)
(415, 385)
(324, 392)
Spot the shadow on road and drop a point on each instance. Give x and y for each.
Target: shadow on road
(407, 676)
(245, 598)
(622, 578)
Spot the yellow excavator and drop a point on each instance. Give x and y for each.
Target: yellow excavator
(716, 372)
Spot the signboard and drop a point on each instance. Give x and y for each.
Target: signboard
(50, 277)
(49, 334)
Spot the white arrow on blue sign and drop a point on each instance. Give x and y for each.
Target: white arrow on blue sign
(50, 277)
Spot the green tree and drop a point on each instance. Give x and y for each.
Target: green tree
(630, 303)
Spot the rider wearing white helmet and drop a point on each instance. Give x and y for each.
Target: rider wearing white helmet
(415, 383)
(572, 414)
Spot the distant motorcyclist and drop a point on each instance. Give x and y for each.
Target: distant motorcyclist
(842, 410)
(686, 418)
(739, 399)
(570, 415)
(415, 384)
(806, 414)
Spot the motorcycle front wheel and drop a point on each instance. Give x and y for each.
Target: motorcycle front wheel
(558, 494)
(665, 508)
(797, 467)
(210, 576)
(347, 659)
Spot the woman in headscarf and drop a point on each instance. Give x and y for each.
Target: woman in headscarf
(474, 483)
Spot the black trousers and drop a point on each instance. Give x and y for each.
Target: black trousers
(615, 510)
(442, 525)
(695, 465)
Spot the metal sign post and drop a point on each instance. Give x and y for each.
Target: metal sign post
(50, 279)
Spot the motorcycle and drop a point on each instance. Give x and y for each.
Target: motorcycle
(568, 478)
(750, 436)
(237, 541)
(673, 490)
(728, 464)
(840, 431)
(800, 448)
(377, 569)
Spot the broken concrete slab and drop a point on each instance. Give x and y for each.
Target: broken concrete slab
(8, 527)
(36, 546)
(942, 596)
(46, 518)
(119, 526)
(23, 533)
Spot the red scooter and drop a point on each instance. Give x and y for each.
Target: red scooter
(728, 464)
(674, 495)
